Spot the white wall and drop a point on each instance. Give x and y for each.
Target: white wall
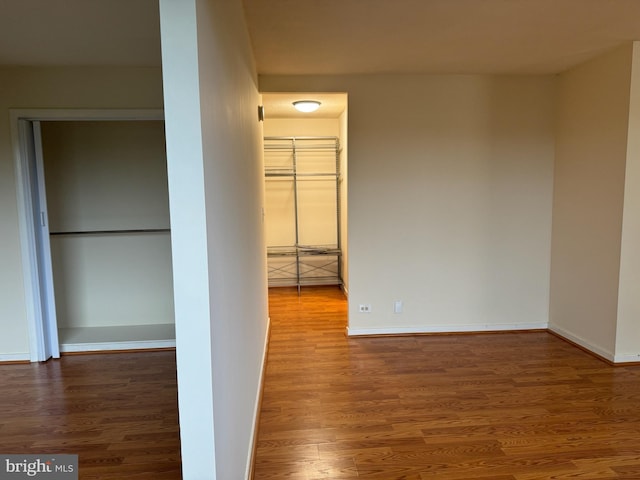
(105, 175)
(590, 155)
(112, 280)
(88, 88)
(108, 175)
(344, 198)
(300, 127)
(450, 181)
(628, 325)
(214, 157)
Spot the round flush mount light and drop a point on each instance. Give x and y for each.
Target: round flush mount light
(306, 106)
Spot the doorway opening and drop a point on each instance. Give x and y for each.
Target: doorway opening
(94, 230)
(306, 203)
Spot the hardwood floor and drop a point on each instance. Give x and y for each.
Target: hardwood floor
(119, 412)
(512, 406)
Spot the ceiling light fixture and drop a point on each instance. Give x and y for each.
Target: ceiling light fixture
(306, 106)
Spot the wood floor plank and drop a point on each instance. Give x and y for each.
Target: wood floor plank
(510, 406)
(118, 412)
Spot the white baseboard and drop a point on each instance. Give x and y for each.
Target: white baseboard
(583, 343)
(106, 346)
(498, 327)
(627, 358)
(122, 337)
(14, 357)
(258, 401)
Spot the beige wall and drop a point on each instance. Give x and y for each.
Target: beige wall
(216, 194)
(628, 326)
(105, 175)
(301, 127)
(450, 183)
(92, 88)
(344, 197)
(591, 148)
(109, 175)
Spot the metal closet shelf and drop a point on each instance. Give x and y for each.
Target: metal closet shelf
(293, 159)
(291, 251)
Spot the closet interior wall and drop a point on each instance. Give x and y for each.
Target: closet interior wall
(107, 201)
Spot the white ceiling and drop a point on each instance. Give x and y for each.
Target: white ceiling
(336, 36)
(435, 36)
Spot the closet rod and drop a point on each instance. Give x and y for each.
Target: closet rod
(332, 175)
(104, 232)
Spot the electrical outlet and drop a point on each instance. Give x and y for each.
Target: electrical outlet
(364, 308)
(397, 306)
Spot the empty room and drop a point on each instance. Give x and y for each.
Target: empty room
(474, 312)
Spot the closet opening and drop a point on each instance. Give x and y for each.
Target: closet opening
(305, 158)
(95, 229)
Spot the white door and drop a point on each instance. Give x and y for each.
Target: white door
(47, 328)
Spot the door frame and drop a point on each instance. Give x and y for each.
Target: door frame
(21, 142)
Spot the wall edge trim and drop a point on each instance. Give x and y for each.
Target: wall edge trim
(251, 463)
(15, 358)
(447, 329)
(106, 346)
(627, 359)
(581, 343)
